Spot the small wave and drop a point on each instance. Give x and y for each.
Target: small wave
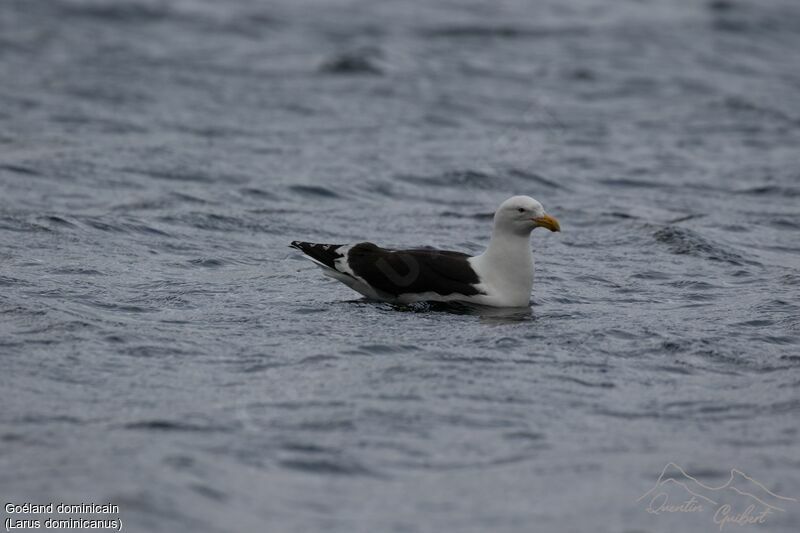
(673, 369)
(251, 23)
(177, 175)
(180, 462)
(258, 193)
(651, 275)
(196, 175)
(309, 310)
(7, 281)
(511, 178)
(119, 11)
(535, 177)
(790, 279)
(213, 131)
(476, 216)
(323, 425)
(186, 198)
(693, 284)
(99, 124)
(595, 279)
(209, 492)
(20, 169)
(152, 351)
(581, 74)
(383, 349)
(123, 308)
(583, 382)
(254, 368)
(18, 224)
(313, 191)
(720, 5)
(524, 435)
(302, 405)
(470, 359)
(215, 222)
(689, 410)
(96, 223)
(162, 202)
(507, 343)
(75, 271)
(683, 241)
(628, 183)
(303, 447)
(785, 223)
(140, 227)
(758, 323)
(470, 179)
(337, 466)
(12, 437)
(356, 62)
(499, 32)
(121, 226)
(785, 340)
(58, 221)
(314, 359)
(745, 20)
(175, 425)
(51, 418)
(772, 190)
(207, 262)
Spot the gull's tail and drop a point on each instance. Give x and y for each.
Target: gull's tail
(323, 254)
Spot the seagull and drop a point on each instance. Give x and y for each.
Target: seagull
(502, 276)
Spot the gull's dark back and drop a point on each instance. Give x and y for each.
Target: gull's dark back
(395, 272)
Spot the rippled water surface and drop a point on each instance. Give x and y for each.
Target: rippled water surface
(162, 347)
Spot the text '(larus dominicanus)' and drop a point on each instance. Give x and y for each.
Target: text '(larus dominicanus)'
(502, 276)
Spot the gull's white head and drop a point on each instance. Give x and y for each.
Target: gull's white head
(521, 215)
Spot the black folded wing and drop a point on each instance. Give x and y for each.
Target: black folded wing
(398, 272)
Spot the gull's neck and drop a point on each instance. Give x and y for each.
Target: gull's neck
(509, 248)
(507, 265)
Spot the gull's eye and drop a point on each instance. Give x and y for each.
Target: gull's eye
(521, 209)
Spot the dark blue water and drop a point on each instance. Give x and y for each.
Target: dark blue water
(163, 349)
